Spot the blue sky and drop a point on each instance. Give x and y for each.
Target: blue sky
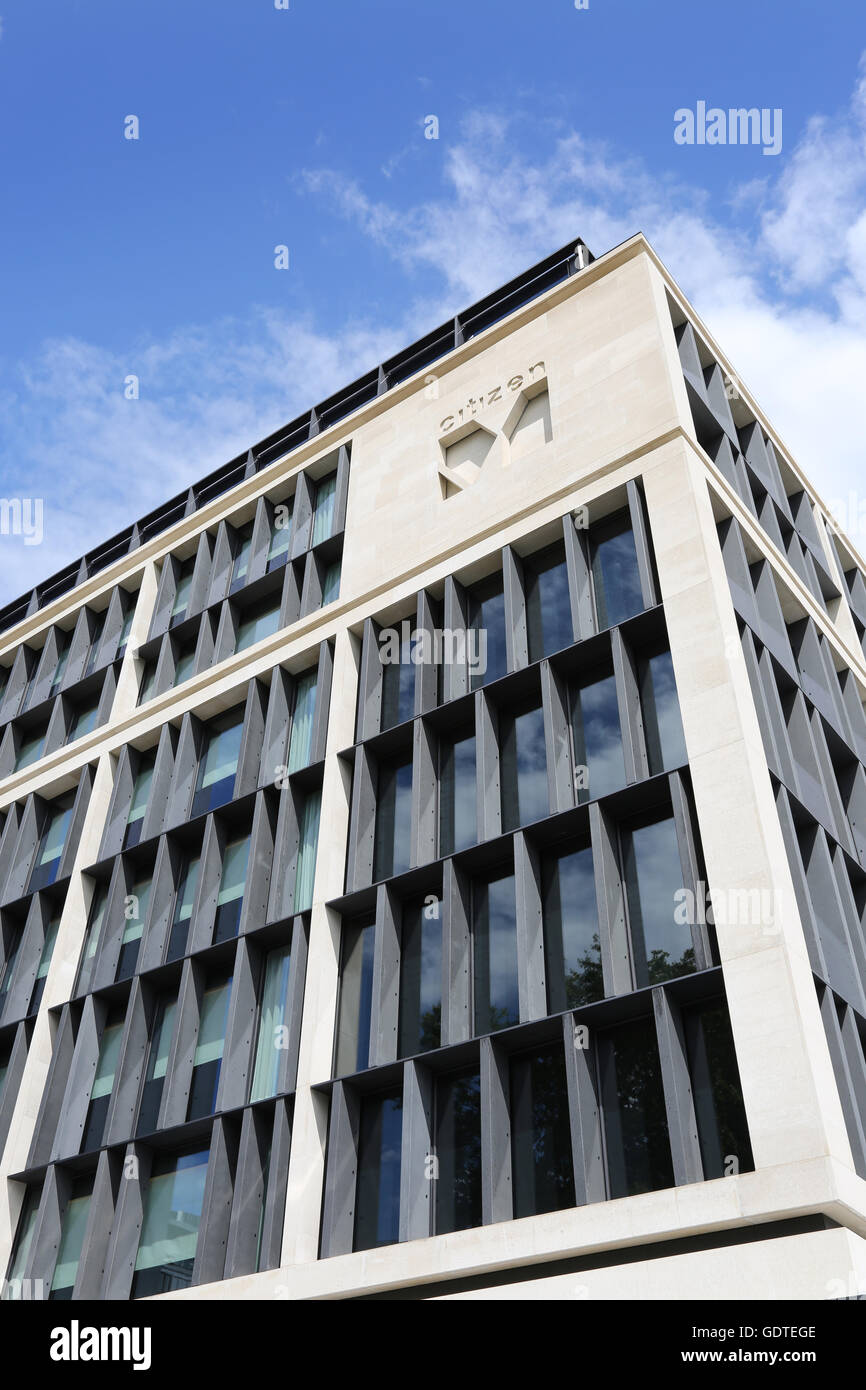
(305, 127)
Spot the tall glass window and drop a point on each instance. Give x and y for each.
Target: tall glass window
(91, 941)
(281, 530)
(208, 1055)
(457, 795)
(597, 736)
(230, 898)
(458, 1151)
(398, 686)
(95, 641)
(272, 1023)
(219, 762)
(723, 1133)
(666, 744)
(571, 931)
(30, 749)
(241, 563)
(487, 620)
(83, 721)
(331, 583)
(148, 682)
(494, 954)
(50, 850)
(183, 905)
(393, 818)
(13, 1288)
(135, 914)
(542, 1168)
(420, 977)
(548, 605)
(44, 963)
(258, 622)
(64, 642)
(305, 876)
(72, 1231)
(301, 741)
(180, 606)
(615, 575)
(7, 970)
(523, 767)
(377, 1206)
(356, 996)
(140, 798)
(183, 666)
(172, 1215)
(323, 521)
(662, 944)
(161, 1035)
(125, 630)
(635, 1121)
(103, 1082)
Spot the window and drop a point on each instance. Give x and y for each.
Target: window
(542, 1170)
(219, 762)
(615, 575)
(64, 642)
(207, 1059)
(30, 749)
(94, 927)
(457, 795)
(13, 1288)
(421, 977)
(723, 1133)
(50, 849)
(356, 997)
(135, 914)
(125, 629)
(494, 954)
(323, 521)
(377, 1205)
(72, 1231)
(635, 1122)
(183, 905)
(83, 721)
(666, 745)
(393, 818)
(487, 619)
(662, 945)
(309, 841)
(301, 743)
(172, 1215)
(398, 685)
(458, 1151)
(184, 665)
(44, 963)
(281, 530)
(230, 898)
(31, 680)
(161, 1035)
(181, 593)
(148, 682)
(331, 583)
(272, 1023)
(523, 767)
(103, 1082)
(548, 605)
(95, 640)
(597, 739)
(571, 931)
(258, 622)
(241, 563)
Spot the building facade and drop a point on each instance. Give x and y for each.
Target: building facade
(433, 848)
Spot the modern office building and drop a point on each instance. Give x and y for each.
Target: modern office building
(433, 847)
